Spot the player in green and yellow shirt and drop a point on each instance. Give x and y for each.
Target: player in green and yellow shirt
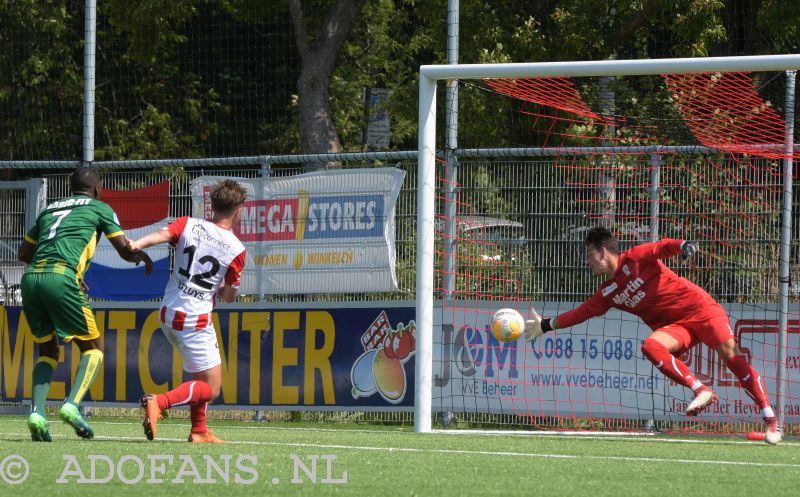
(58, 249)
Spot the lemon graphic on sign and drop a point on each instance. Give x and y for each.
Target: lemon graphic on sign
(298, 259)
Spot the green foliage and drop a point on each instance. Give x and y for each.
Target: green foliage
(40, 79)
(384, 50)
(180, 111)
(149, 135)
(781, 19)
(152, 28)
(219, 77)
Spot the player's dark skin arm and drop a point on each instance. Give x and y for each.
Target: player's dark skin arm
(120, 243)
(25, 252)
(27, 249)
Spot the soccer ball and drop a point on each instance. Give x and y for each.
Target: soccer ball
(508, 325)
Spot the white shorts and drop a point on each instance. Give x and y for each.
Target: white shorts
(199, 348)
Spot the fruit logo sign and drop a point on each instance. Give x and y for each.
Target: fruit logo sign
(380, 368)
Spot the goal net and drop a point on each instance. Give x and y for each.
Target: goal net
(693, 150)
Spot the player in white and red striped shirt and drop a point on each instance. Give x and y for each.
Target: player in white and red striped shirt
(209, 260)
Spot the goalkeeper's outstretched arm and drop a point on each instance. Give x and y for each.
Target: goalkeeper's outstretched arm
(536, 326)
(663, 249)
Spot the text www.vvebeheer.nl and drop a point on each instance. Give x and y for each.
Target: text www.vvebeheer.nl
(591, 380)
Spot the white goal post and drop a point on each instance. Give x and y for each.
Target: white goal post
(430, 75)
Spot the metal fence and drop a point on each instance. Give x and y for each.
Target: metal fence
(521, 220)
(180, 204)
(12, 219)
(734, 216)
(528, 213)
(20, 201)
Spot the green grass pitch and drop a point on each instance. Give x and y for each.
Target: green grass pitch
(265, 459)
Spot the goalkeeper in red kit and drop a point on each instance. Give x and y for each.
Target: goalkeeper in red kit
(680, 313)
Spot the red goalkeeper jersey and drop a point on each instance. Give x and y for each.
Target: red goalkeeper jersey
(642, 285)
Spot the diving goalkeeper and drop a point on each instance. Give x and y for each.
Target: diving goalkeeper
(680, 313)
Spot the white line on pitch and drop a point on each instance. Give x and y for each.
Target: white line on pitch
(473, 452)
(492, 453)
(624, 436)
(637, 437)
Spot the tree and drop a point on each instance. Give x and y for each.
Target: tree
(195, 78)
(40, 80)
(319, 50)
(150, 103)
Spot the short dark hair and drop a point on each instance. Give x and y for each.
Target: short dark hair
(83, 179)
(600, 237)
(226, 196)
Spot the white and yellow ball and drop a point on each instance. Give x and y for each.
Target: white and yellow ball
(508, 325)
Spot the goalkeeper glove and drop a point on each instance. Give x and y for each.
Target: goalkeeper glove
(536, 326)
(688, 249)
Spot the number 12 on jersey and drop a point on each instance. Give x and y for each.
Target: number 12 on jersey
(200, 279)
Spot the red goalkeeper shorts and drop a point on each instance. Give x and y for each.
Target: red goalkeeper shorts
(711, 330)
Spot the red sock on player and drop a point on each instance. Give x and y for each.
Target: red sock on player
(672, 367)
(191, 392)
(198, 415)
(749, 378)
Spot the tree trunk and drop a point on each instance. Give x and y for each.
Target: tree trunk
(317, 131)
(318, 54)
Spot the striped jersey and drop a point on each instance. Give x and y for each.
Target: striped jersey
(205, 255)
(66, 235)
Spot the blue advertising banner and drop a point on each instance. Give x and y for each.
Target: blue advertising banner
(313, 358)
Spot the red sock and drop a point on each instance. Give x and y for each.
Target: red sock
(672, 367)
(198, 415)
(750, 379)
(191, 392)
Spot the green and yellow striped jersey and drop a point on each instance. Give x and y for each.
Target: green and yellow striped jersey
(66, 235)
